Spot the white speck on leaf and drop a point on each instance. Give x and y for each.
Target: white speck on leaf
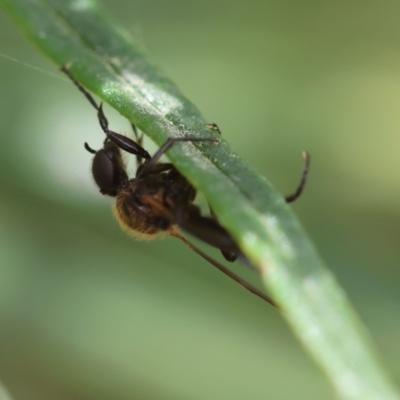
(81, 5)
(277, 235)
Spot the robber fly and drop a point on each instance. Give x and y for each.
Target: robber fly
(159, 199)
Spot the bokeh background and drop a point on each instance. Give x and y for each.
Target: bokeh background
(88, 313)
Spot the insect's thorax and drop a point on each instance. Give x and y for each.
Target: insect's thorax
(147, 205)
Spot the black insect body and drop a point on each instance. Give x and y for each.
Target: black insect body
(147, 205)
(159, 199)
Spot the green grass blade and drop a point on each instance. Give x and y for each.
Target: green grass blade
(112, 65)
(4, 395)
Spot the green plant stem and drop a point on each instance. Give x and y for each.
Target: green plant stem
(107, 60)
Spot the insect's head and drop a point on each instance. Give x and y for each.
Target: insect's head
(108, 168)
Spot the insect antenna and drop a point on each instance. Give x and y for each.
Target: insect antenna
(89, 149)
(225, 270)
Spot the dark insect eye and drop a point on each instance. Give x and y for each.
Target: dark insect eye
(105, 172)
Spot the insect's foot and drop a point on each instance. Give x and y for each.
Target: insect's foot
(213, 127)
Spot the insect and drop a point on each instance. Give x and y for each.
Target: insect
(159, 199)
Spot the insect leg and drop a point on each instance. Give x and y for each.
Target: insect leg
(230, 256)
(207, 229)
(139, 140)
(121, 141)
(214, 127)
(226, 271)
(168, 144)
(80, 87)
(157, 169)
(100, 114)
(293, 197)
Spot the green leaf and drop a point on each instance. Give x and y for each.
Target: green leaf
(108, 61)
(4, 395)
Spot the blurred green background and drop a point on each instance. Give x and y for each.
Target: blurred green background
(88, 313)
